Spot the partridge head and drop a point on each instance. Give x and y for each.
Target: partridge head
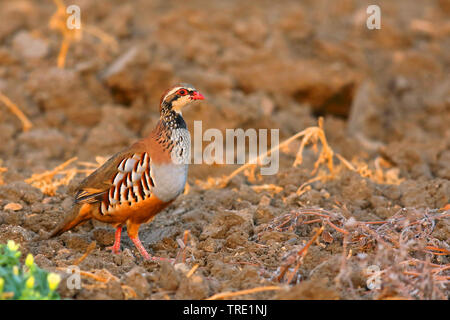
(140, 181)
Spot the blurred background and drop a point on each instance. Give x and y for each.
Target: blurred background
(261, 64)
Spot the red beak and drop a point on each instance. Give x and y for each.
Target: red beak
(197, 96)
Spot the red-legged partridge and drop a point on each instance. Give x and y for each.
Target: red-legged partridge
(140, 181)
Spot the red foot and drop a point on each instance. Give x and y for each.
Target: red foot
(115, 248)
(145, 254)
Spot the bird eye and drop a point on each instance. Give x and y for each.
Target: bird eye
(182, 92)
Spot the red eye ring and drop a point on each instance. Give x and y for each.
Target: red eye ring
(182, 92)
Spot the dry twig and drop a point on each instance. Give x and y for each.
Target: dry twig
(89, 249)
(2, 169)
(58, 22)
(225, 295)
(310, 135)
(44, 181)
(26, 124)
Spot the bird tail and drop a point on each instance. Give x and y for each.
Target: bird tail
(80, 213)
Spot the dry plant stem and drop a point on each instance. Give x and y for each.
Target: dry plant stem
(94, 276)
(312, 221)
(336, 228)
(89, 249)
(267, 187)
(308, 133)
(1, 178)
(316, 214)
(345, 162)
(44, 181)
(58, 22)
(289, 219)
(183, 246)
(88, 164)
(444, 268)
(26, 124)
(187, 188)
(416, 261)
(185, 241)
(50, 174)
(343, 260)
(443, 251)
(89, 275)
(191, 272)
(391, 235)
(65, 44)
(375, 235)
(374, 222)
(301, 189)
(302, 253)
(242, 292)
(417, 274)
(312, 134)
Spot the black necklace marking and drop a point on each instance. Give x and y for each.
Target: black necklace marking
(171, 119)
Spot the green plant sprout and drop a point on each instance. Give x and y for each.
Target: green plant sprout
(27, 283)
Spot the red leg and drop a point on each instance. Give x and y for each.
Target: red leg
(116, 246)
(144, 252)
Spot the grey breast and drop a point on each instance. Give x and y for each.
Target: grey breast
(170, 179)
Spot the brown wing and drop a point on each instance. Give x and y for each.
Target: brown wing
(124, 177)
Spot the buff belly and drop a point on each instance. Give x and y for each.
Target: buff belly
(140, 212)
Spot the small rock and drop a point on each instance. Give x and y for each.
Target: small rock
(13, 206)
(29, 47)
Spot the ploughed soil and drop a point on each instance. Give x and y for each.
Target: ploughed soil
(384, 96)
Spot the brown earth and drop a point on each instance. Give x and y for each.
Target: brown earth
(384, 95)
